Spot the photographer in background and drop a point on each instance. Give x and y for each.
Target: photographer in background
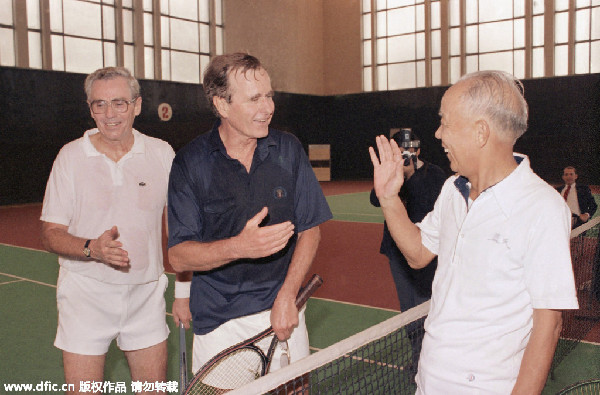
(422, 185)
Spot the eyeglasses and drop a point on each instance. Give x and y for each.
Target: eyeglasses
(118, 105)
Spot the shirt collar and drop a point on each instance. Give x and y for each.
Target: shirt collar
(505, 192)
(216, 144)
(139, 147)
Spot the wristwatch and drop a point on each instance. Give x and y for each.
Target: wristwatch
(86, 249)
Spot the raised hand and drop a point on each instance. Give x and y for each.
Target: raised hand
(388, 169)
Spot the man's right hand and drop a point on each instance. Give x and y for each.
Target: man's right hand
(107, 249)
(388, 169)
(257, 241)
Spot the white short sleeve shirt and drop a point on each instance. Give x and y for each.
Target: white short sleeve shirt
(499, 257)
(90, 193)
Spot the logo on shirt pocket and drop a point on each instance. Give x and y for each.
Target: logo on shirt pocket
(279, 192)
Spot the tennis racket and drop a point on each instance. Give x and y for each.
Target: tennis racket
(244, 362)
(183, 380)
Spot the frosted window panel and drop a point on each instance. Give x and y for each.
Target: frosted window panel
(595, 57)
(82, 55)
(82, 19)
(187, 9)
(108, 23)
(538, 7)
(436, 43)
(7, 49)
(126, 3)
(582, 25)
(58, 60)
(519, 64)
(538, 62)
(454, 69)
(455, 41)
(204, 60)
(380, 4)
(148, 5)
(399, 3)
(518, 8)
(6, 16)
(401, 48)
(165, 31)
(454, 6)
(582, 58)
(495, 10)
(420, 74)
(436, 72)
(583, 3)
(472, 39)
(596, 23)
(420, 45)
(471, 11)
(110, 54)
(496, 61)
(561, 5)
(185, 67)
(128, 57)
(472, 63)
(204, 11)
(127, 26)
(218, 12)
(381, 50)
(402, 76)
(538, 31)
(495, 36)
(382, 78)
(33, 14)
(366, 5)
(367, 53)
(148, 29)
(166, 64)
(164, 7)
(420, 18)
(56, 16)
(561, 60)
(561, 28)
(366, 26)
(381, 25)
(35, 50)
(367, 82)
(204, 38)
(219, 40)
(401, 21)
(435, 15)
(519, 33)
(148, 63)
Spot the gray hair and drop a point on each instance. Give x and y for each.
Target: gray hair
(498, 96)
(108, 73)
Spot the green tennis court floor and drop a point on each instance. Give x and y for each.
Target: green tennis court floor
(29, 319)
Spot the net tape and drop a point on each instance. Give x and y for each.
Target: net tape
(379, 360)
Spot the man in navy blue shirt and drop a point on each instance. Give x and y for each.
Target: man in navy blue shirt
(244, 215)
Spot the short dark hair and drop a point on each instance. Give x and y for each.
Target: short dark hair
(216, 75)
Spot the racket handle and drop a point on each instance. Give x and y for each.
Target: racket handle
(305, 293)
(183, 380)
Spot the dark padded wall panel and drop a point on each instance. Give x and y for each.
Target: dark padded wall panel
(43, 110)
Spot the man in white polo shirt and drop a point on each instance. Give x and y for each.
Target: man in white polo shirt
(504, 270)
(103, 215)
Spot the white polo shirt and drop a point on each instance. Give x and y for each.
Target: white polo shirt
(90, 193)
(499, 257)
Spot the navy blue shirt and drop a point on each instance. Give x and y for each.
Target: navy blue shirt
(212, 196)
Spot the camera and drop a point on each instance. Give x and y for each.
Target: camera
(406, 139)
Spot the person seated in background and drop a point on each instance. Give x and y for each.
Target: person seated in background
(579, 198)
(423, 182)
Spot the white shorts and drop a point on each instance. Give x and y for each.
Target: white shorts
(239, 329)
(91, 314)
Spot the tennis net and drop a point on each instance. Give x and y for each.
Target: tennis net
(379, 360)
(585, 257)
